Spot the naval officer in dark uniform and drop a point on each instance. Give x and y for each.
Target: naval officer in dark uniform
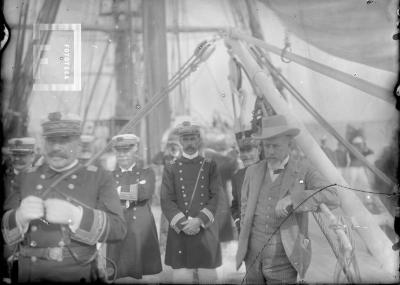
(249, 153)
(21, 156)
(189, 192)
(58, 229)
(139, 253)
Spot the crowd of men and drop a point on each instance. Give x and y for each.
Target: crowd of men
(58, 211)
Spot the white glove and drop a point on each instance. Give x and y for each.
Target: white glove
(31, 208)
(63, 212)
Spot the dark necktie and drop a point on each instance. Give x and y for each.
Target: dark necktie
(278, 171)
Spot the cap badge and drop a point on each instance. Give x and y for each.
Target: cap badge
(55, 116)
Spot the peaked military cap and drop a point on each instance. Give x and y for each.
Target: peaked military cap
(124, 141)
(188, 128)
(25, 145)
(244, 139)
(60, 124)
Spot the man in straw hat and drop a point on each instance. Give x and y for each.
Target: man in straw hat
(272, 191)
(189, 197)
(58, 227)
(139, 253)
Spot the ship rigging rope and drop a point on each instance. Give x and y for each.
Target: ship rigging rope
(343, 262)
(358, 83)
(296, 94)
(338, 186)
(202, 52)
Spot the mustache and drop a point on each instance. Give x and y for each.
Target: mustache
(57, 154)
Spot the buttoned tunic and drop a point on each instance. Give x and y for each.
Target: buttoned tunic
(90, 188)
(179, 178)
(139, 253)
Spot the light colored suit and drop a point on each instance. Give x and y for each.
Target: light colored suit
(300, 180)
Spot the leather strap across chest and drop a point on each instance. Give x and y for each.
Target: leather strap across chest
(195, 185)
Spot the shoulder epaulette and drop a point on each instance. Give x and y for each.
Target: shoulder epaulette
(92, 168)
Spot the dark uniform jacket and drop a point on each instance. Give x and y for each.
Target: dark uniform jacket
(52, 252)
(179, 178)
(139, 253)
(9, 178)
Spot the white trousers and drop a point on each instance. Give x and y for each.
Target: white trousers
(185, 276)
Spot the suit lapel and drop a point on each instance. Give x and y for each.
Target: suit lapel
(289, 176)
(255, 185)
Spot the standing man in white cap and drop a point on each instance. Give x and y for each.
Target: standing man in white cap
(272, 189)
(58, 226)
(139, 253)
(189, 192)
(22, 154)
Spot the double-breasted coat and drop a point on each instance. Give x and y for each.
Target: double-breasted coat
(52, 252)
(139, 253)
(178, 185)
(300, 180)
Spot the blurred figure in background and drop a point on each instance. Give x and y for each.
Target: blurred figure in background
(356, 171)
(21, 153)
(342, 159)
(218, 146)
(327, 150)
(388, 163)
(86, 148)
(249, 153)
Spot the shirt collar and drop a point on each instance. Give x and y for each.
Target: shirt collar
(190, 156)
(128, 169)
(73, 164)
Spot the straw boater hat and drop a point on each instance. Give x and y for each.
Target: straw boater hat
(60, 124)
(124, 141)
(21, 145)
(273, 126)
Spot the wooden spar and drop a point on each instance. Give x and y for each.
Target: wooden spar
(156, 73)
(106, 29)
(363, 85)
(374, 238)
